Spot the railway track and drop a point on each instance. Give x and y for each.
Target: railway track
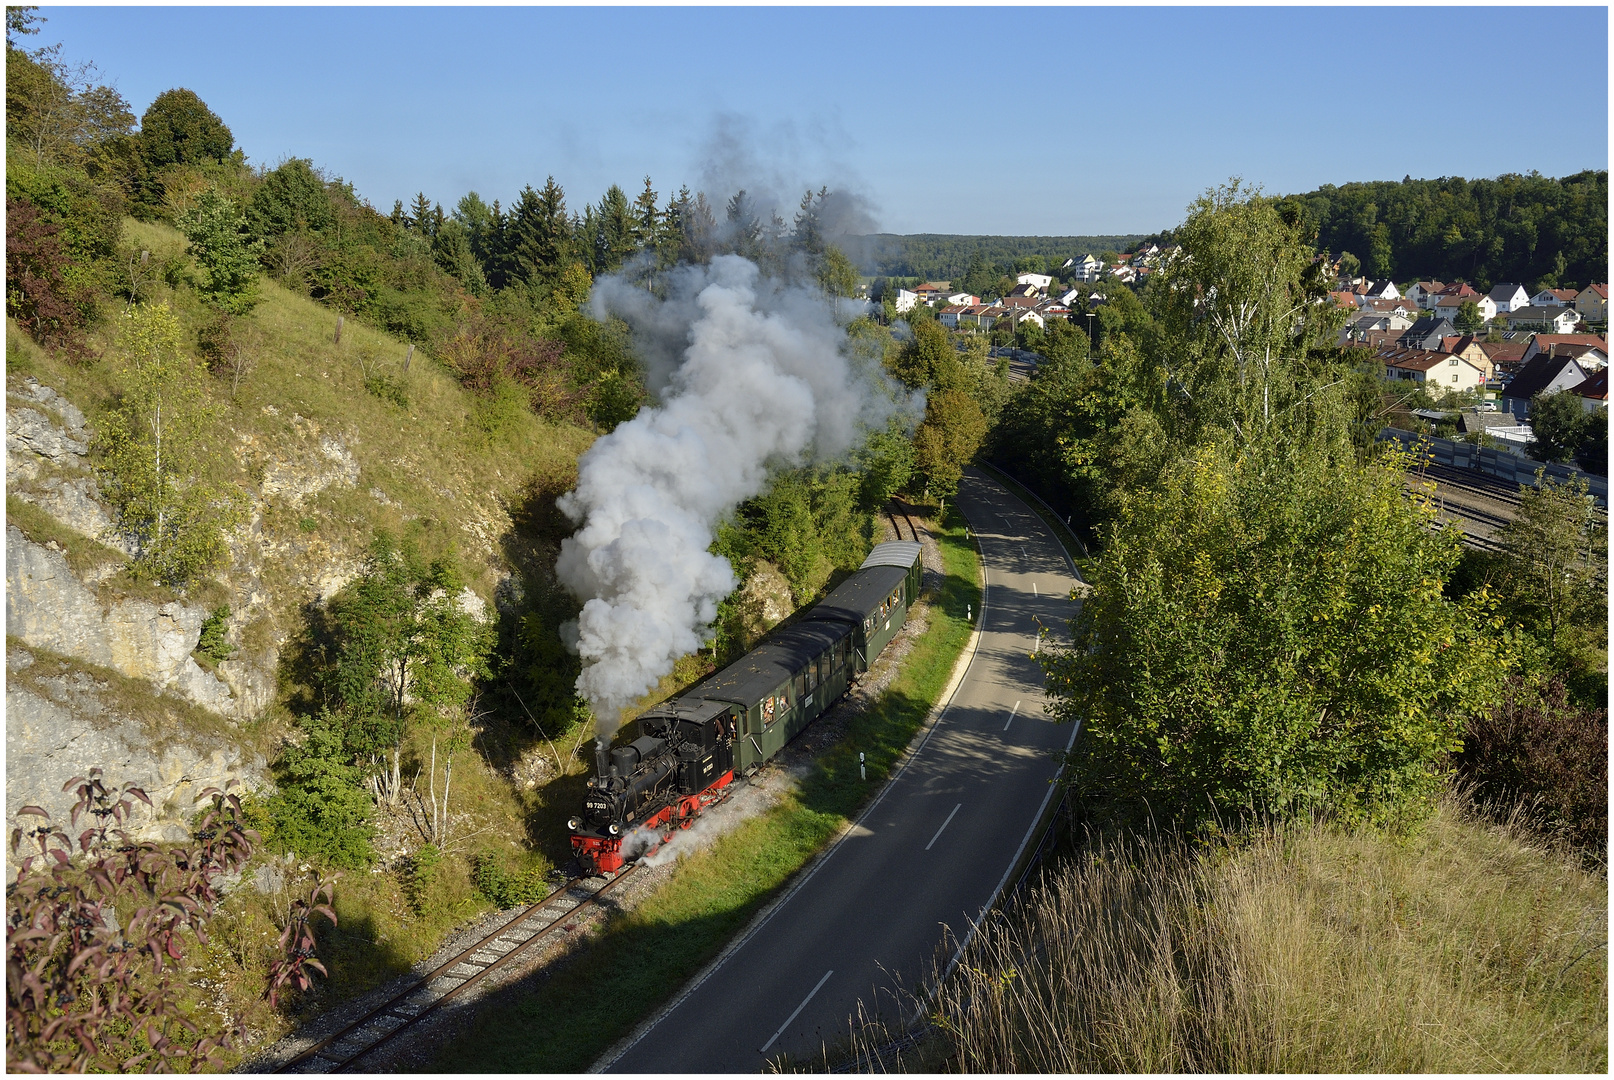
(1479, 503)
(913, 533)
(381, 1025)
(384, 1023)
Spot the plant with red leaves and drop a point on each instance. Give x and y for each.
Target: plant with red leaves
(484, 351)
(1540, 749)
(37, 294)
(297, 944)
(93, 945)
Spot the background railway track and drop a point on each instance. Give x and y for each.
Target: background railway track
(899, 510)
(384, 1023)
(1478, 502)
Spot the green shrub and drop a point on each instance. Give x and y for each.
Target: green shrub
(320, 810)
(506, 888)
(1274, 641)
(419, 873)
(149, 455)
(388, 388)
(213, 644)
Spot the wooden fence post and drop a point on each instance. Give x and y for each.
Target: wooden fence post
(339, 330)
(410, 355)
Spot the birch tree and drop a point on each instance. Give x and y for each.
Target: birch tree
(148, 448)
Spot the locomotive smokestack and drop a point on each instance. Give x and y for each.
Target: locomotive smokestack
(602, 758)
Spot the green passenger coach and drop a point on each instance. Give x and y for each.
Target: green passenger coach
(785, 683)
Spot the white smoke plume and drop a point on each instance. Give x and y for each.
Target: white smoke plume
(757, 374)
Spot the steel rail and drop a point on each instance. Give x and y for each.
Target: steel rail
(481, 946)
(591, 900)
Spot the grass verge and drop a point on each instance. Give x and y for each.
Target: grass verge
(1302, 949)
(563, 1023)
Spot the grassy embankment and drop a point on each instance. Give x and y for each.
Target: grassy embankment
(1463, 948)
(436, 464)
(563, 1023)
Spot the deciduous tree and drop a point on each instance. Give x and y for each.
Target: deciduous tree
(1269, 641)
(225, 249)
(148, 449)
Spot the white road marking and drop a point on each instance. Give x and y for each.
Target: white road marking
(797, 1013)
(946, 823)
(1010, 720)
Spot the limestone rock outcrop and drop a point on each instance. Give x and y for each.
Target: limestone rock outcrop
(59, 727)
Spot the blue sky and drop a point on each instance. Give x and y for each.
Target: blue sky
(1019, 120)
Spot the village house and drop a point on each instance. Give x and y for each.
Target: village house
(1553, 320)
(962, 298)
(1469, 348)
(1448, 306)
(1460, 289)
(1378, 290)
(1442, 372)
(1015, 315)
(948, 316)
(1593, 393)
(1089, 268)
(1541, 374)
(931, 291)
(1424, 293)
(979, 316)
(1592, 303)
(1042, 281)
(1508, 296)
(1427, 332)
(1554, 298)
(1557, 343)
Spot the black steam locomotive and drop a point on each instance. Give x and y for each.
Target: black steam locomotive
(691, 747)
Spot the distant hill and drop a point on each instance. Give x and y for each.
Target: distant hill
(948, 257)
(1536, 230)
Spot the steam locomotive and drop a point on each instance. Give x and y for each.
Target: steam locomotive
(691, 747)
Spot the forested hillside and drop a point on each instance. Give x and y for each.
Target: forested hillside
(944, 257)
(1535, 230)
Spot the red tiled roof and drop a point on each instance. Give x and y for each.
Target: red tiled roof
(1545, 342)
(1415, 359)
(1600, 290)
(1595, 386)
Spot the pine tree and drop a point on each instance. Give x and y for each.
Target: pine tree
(616, 231)
(539, 240)
(420, 214)
(647, 219)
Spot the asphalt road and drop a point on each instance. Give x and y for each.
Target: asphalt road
(925, 859)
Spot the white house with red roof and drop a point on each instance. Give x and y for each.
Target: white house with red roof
(1424, 293)
(1593, 393)
(1554, 298)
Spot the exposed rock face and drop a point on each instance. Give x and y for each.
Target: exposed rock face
(60, 728)
(49, 607)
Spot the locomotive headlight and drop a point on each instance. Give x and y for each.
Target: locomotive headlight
(613, 828)
(574, 824)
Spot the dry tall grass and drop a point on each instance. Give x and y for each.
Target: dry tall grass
(1307, 949)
